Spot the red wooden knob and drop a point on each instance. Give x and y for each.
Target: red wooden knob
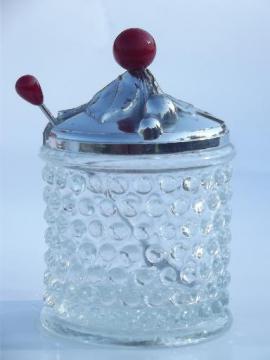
(134, 49)
(29, 89)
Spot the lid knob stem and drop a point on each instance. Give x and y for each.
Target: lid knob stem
(29, 89)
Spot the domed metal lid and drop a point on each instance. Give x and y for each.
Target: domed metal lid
(132, 115)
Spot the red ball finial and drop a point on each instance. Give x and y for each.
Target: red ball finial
(29, 89)
(134, 49)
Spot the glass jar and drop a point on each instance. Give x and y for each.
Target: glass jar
(138, 248)
(138, 210)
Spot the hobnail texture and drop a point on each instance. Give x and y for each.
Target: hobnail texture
(137, 257)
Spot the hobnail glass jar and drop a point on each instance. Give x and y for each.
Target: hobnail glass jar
(138, 245)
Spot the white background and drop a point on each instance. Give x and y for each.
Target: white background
(212, 53)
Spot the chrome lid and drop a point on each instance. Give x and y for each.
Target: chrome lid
(131, 115)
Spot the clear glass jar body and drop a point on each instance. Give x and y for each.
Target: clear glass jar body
(138, 246)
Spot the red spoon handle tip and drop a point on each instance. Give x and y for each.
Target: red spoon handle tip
(29, 89)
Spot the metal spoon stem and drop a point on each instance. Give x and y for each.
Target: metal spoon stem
(48, 114)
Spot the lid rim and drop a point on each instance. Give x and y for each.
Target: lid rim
(138, 149)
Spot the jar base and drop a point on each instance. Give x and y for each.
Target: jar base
(178, 337)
